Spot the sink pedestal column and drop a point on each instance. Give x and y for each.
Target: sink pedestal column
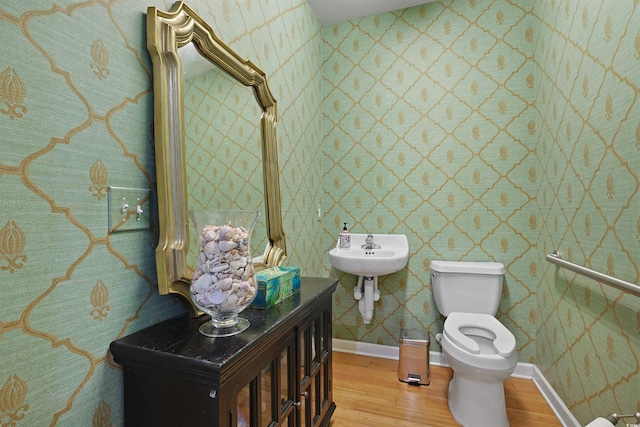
(366, 292)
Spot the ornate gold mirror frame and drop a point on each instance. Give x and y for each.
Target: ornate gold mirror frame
(166, 32)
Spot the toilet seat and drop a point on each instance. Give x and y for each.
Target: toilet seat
(504, 342)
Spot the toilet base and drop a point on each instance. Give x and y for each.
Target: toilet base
(476, 403)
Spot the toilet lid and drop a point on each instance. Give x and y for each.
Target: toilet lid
(504, 342)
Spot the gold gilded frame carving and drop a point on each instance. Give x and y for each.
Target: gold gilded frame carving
(166, 32)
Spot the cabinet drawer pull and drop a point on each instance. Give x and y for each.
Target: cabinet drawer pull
(304, 394)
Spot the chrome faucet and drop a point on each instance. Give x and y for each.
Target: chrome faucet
(369, 243)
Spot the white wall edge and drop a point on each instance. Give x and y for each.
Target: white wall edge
(523, 370)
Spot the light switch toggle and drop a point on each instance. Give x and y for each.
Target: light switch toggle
(125, 211)
(128, 208)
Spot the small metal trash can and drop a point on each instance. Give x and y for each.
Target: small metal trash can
(413, 367)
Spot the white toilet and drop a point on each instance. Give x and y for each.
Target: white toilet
(480, 350)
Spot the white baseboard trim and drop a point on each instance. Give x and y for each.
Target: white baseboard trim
(523, 370)
(381, 351)
(557, 405)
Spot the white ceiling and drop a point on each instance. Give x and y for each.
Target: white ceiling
(334, 11)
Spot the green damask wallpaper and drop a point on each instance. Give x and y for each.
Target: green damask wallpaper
(587, 65)
(430, 132)
(76, 109)
(482, 129)
(497, 130)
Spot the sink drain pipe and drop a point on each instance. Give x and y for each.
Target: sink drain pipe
(366, 293)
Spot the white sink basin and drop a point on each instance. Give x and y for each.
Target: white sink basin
(392, 255)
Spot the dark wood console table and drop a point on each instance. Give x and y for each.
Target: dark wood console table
(276, 373)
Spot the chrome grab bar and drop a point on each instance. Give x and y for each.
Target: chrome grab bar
(623, 285)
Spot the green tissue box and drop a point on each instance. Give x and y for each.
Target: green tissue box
(276, 284)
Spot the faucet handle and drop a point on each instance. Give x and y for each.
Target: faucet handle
(369, 244)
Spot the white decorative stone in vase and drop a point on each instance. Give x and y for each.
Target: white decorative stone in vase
(224, 281)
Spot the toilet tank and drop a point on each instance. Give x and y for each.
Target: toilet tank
(468, 287)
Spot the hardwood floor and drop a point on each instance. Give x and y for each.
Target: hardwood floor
(368, 393)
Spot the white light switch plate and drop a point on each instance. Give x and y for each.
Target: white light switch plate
(128, 209)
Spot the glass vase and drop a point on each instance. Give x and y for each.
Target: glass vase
(224, 281)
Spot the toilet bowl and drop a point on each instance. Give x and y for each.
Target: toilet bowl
(482, 354)
(480, 350)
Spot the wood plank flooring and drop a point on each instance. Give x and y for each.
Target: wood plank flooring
(368, 393)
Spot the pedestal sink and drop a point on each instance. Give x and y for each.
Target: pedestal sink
(388, 254)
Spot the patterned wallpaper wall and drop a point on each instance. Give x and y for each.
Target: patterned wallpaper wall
(76, 117)
(483, 129)
(429, 133)
(497, 130)
(587, 69)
